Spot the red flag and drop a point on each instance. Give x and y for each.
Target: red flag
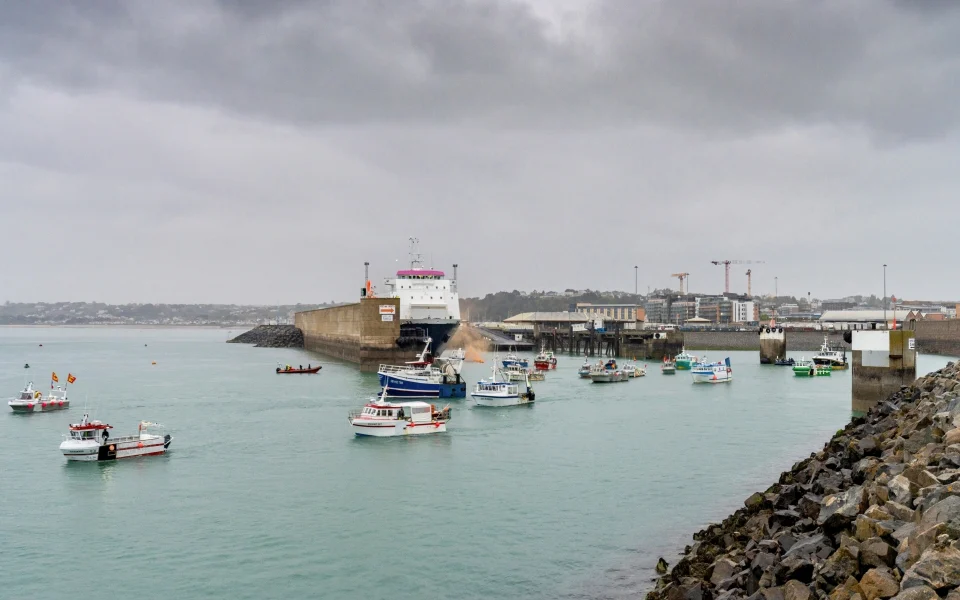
(70, 378)
(54, 377)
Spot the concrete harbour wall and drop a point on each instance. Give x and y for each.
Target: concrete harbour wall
(356, 333)
(806, 341)
(937, 337)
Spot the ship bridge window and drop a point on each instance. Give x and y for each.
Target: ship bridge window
(75, 434)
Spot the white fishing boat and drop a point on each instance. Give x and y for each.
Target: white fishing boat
(633, 371)
(718, 372)
(607, 373)
(515, 372)
(668, 367)
(30, 400)
(537, 375)
(832, 356)
(497, 391)
(90, 441)
(381, 418)
(584, 370)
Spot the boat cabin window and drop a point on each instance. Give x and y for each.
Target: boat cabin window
(75, 434)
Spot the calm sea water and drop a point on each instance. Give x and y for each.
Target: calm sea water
(267, 494)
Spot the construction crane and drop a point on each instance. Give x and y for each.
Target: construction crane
(726, 264)
(682, 277)
(749, 272)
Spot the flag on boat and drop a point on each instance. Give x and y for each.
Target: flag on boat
(70, 378)
(53, 377)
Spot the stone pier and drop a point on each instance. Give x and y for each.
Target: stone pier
(773, 345)
(883, 362)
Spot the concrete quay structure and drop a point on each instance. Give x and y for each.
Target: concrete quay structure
(773, 345)
(883, 362)
(366, 333)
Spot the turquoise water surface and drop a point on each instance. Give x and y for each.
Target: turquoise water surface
(267, 494)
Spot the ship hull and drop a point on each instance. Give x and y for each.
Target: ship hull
(438, 330)
(403, 388)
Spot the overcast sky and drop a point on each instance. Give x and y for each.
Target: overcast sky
(260, 152)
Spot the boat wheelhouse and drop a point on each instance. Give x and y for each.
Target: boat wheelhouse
(90, 441)
(668, 367)
(382, 418)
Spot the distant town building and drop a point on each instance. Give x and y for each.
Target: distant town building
(658, 310)
(861, 319)
(627, 313)
(788, 309)
(836, 305)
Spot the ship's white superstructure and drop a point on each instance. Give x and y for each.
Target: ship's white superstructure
(426, 295)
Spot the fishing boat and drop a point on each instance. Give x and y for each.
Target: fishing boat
(90, 441)
(607, 373)
(784, 362)
(30, 400)
(808, 368)
(381, 418)
(584, 370)
(426, 377)
(545, 360)
(515, 372)
(718, 372)
(684, 361)
(537, 375)
(498, 392)
(803, 367)
(668, 367)
(834, 356)
(513, 359)
(634, 371)
(288, 369)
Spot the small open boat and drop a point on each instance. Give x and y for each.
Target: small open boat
(287, 369)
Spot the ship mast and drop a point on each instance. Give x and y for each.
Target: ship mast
(416, 262)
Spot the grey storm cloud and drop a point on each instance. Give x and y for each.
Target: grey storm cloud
(887, 67)
(208, 151)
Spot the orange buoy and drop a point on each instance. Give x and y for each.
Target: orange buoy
(140, 445)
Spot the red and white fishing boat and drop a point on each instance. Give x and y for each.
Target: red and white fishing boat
(382, 418)
(545, 360)
(90, 441)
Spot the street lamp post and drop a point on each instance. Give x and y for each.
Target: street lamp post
(634, 280)
(776, 293)
(885, 326)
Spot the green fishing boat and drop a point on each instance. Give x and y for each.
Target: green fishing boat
(684, 361)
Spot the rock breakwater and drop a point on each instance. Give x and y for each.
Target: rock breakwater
(875, 514)
(271, 336)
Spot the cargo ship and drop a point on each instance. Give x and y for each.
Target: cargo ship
(429, 302)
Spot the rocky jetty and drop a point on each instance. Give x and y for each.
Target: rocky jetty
(874, 515)
(271, 336)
